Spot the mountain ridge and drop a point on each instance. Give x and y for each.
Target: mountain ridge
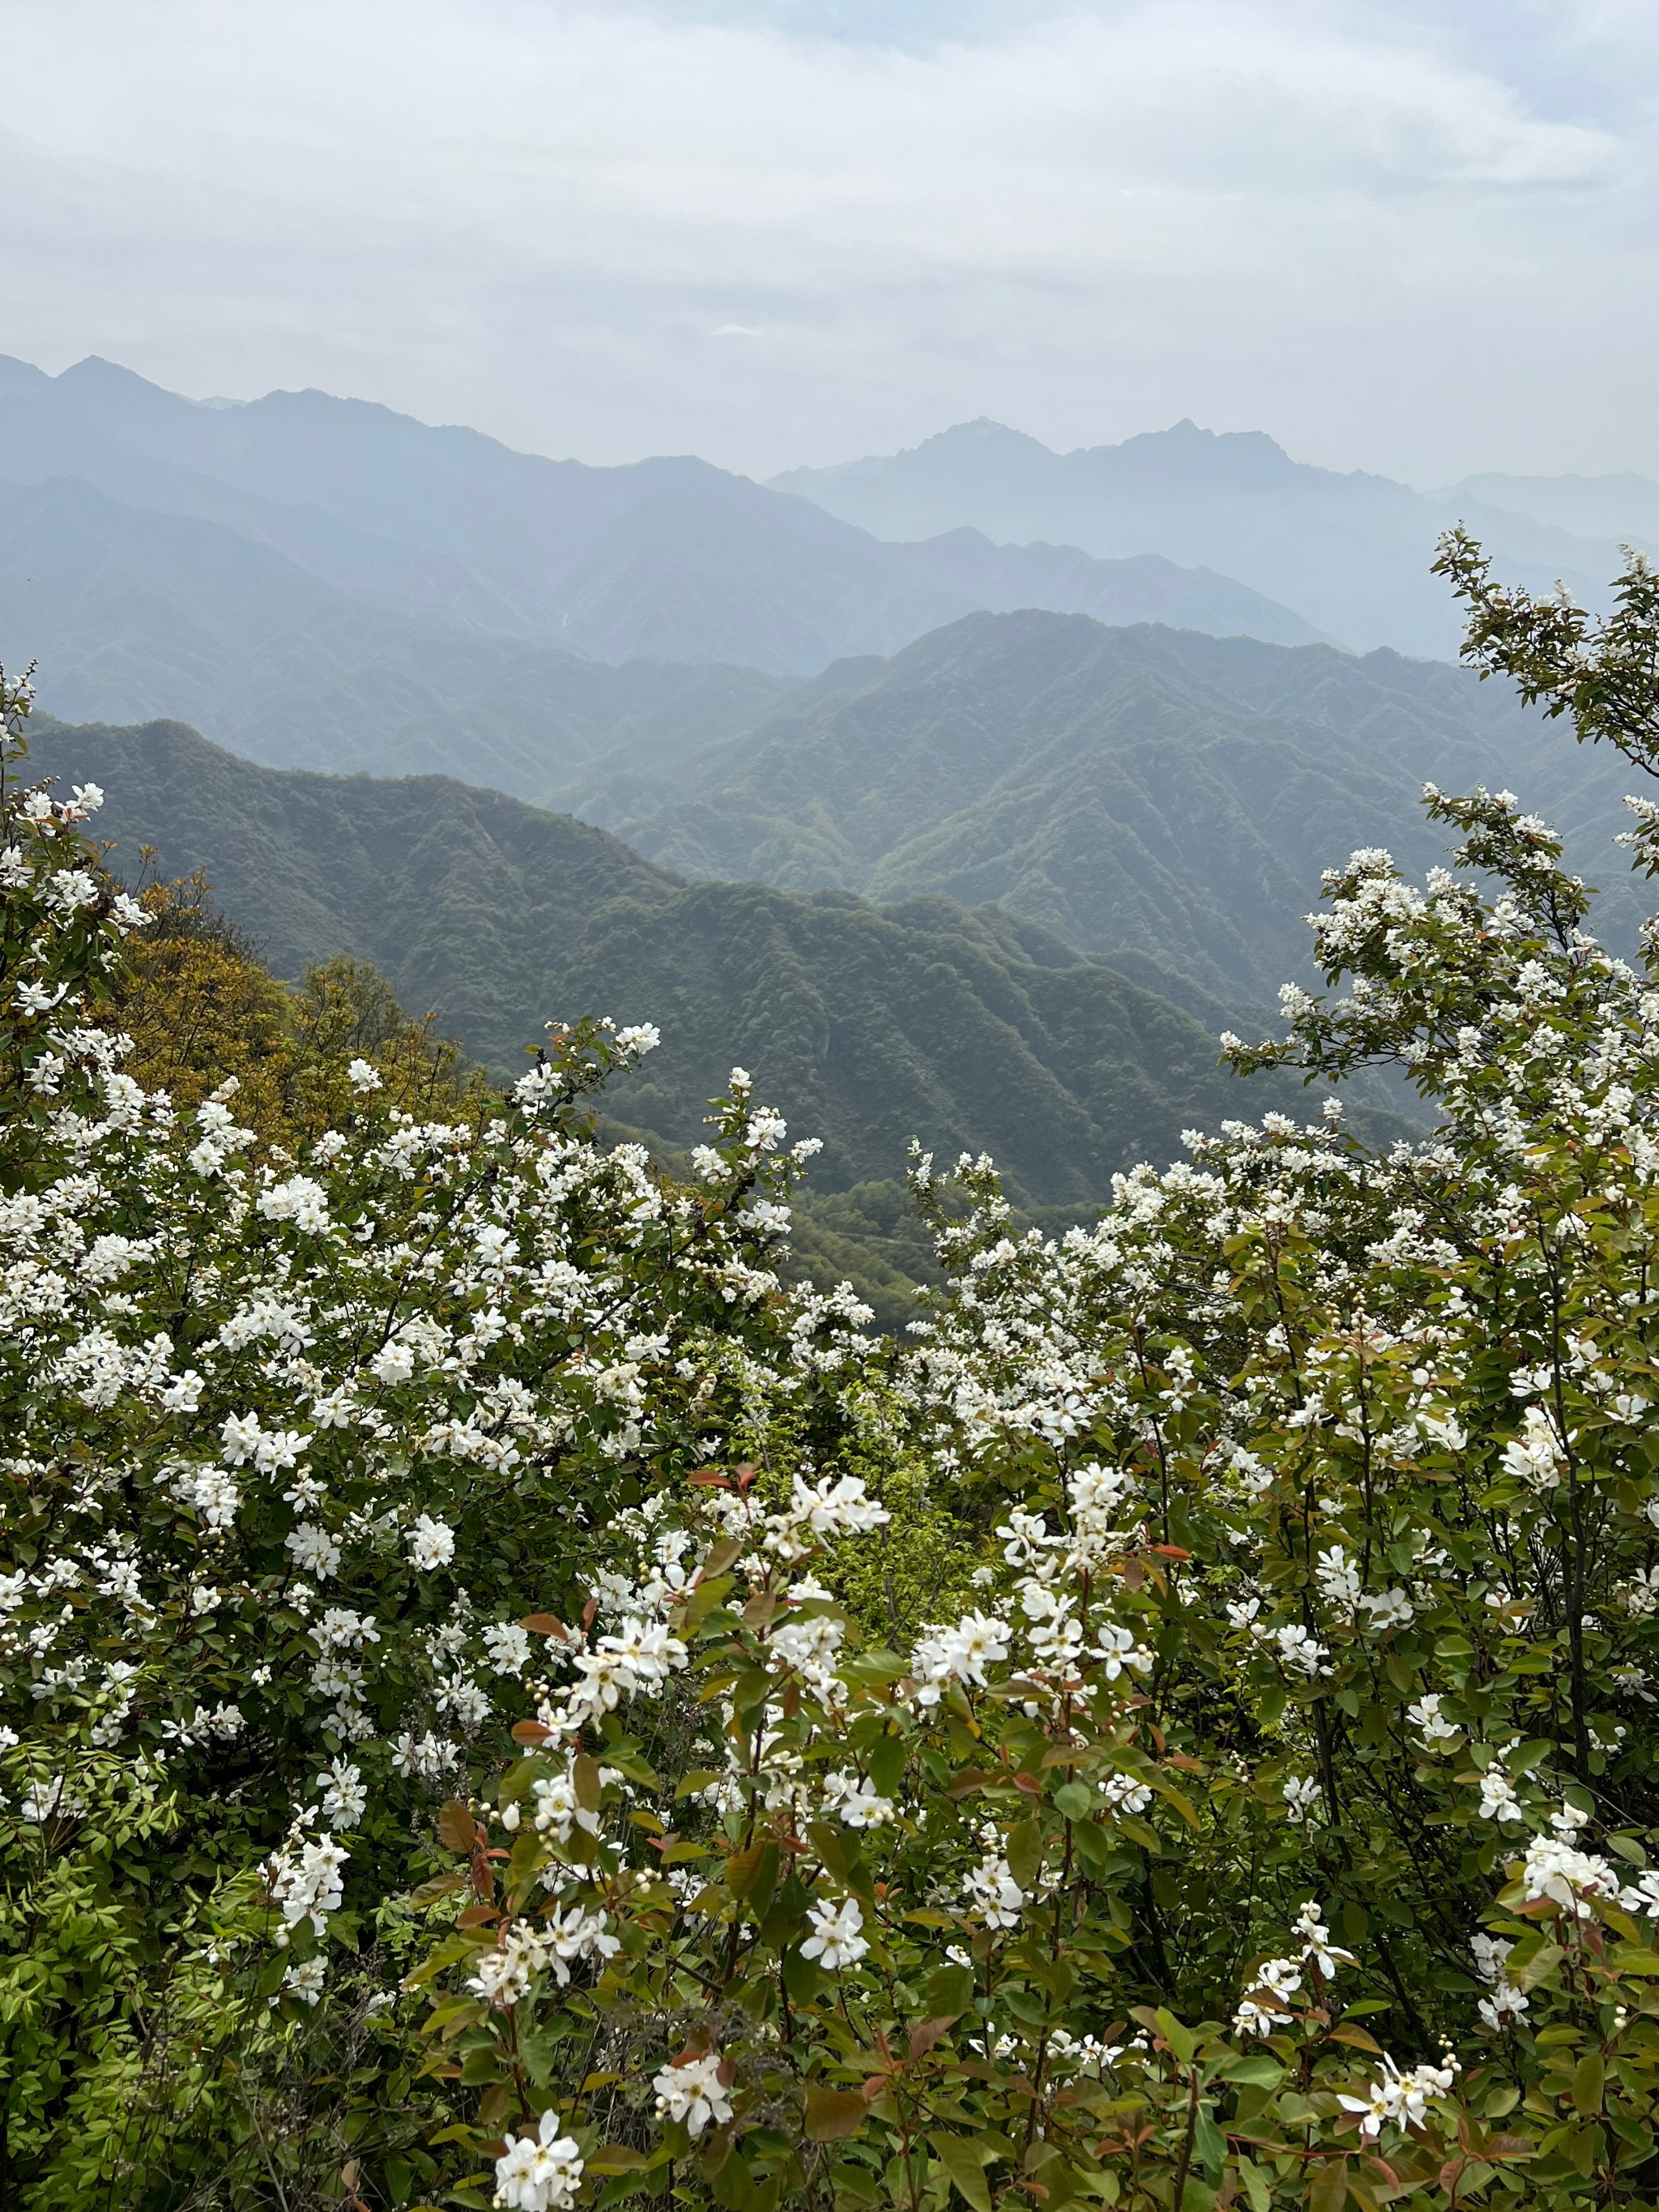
(131, 613)
(666, 559)
(1349, 550)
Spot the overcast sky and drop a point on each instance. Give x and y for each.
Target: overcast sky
(1411, 235)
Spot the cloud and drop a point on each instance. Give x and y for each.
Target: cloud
(1348, 224)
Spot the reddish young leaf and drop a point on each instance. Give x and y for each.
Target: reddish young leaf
(927, 2033)
(456, 1825)
(585, 1774)
(832, 2114)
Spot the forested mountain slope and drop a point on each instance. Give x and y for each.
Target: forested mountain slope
(1142, 789)
(868, 1025)
(1350, 550)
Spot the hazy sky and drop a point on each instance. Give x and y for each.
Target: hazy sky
(1412, 235)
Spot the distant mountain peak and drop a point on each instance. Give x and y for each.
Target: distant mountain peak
(1188, 454)
(1187, 457)
(1187, 432)
(118, 399)
(95, 370)
(982, 431)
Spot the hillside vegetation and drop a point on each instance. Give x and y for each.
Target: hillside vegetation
(967, 1031)
(505, 1701)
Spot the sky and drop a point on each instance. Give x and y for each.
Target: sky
(1406, 236)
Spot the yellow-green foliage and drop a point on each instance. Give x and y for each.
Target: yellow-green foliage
(201, 1006)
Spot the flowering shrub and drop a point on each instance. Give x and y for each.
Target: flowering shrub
(467, 1749)
(292, 1443)
(1233, 1846)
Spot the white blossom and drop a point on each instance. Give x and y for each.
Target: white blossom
(690, 2090)
(541, 2172)
(431, 1544)
(836, 1940)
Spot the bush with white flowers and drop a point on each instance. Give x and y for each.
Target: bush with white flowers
(1277, 1825)
(290, 1446)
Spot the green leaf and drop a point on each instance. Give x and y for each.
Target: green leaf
(1257, 2186)
(719, 1558)
(961, 2163)
(1208, 2141)
(1588, 2080)
(1542, 1963)
(746, 1871)
(1024, 1854)
(624, 2185)
(853, 2183)
(1171, 1796)
(949, 1992)
(829, 1846)
(1075, 1799)
(585, 1774)
(884, 1763)
(429, 1892)
(1258, 2071)
(1327, 2188)
(616, 2158)
(802, 1978)
(1181, 2040)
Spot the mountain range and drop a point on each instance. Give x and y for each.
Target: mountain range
(321, 582)
(1140, 790)
(1349, 552)
(1624, 507)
